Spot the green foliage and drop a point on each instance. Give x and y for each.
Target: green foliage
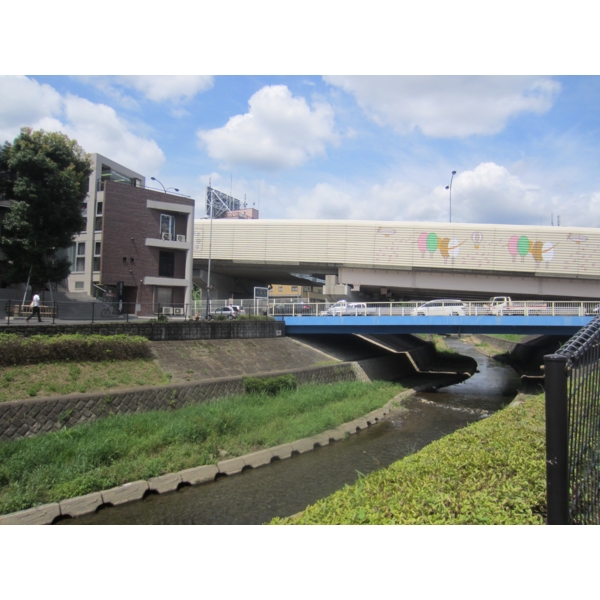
(46, 174)
(17, 350)
(122, 448)
(491, 472)
(269, 385)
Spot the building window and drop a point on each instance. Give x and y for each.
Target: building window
(97, 248)
(99, 209)
(166, 264)
(84, 215)
(280, 288)
(167, 227)
(79, 285)
(80, 257)
(98, 224)
(294, 288)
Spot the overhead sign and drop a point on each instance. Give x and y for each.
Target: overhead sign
(261, 292)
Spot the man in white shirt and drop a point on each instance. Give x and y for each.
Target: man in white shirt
(35, 308)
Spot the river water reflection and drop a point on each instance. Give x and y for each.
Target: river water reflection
(286, 487)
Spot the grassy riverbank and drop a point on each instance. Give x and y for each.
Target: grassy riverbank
(60, 378)
(123, 448)
(491, 472)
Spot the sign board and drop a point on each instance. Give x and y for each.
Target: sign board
(260, 292)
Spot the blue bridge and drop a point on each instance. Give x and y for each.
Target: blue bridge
(548, 325)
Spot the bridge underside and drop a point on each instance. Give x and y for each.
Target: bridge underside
(396, 325)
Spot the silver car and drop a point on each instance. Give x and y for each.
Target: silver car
(441, 308)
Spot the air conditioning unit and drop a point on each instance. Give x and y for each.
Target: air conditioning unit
(167, 310)
(166, 236)
(178, 311)
(181, 238)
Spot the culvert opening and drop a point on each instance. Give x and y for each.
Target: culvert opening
(149, 493)
(184, 484)
(247, 468)
(220, 476)
(61, 518)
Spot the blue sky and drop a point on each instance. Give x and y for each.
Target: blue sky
(379, 147)
(346, 147)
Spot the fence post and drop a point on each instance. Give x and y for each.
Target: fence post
(557, 439)
(93, 305)
(54, 309)
(8, 313)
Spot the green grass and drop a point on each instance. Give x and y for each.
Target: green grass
(123, 448)
(52, 379)
(491, 472)
(511, 337)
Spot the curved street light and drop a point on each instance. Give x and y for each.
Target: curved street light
(163, 187)
(448, 187)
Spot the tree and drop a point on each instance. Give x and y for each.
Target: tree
(46, 175)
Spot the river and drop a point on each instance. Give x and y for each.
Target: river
(287, 487)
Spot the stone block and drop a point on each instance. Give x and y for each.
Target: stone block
(336, 434)
(231, 466)
(322, 439)
(125, 493)
(282, 451)
(360, 423)
(82, 505)
(198, 475)
(302, 446)
(40, 515)
(258, 459)
(165, 483)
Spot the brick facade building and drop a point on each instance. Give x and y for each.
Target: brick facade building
(146, 254)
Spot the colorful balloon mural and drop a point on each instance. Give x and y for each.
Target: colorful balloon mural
(477, 238)
(430, 242)
(522, 246)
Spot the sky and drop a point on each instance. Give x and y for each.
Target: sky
(524, 148)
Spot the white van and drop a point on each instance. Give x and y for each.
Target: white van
(443, 308)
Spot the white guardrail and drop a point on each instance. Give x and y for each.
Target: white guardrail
(469, 309)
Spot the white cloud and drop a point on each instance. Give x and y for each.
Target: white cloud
(278, 131)
(448, 106)
(96, 127)
(161, 88)
(487, 194)
(24, 102)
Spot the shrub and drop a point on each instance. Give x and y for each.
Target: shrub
(17, 350)
(269, 385)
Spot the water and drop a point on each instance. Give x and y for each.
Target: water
(286, 487)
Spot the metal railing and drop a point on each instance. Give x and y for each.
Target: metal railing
(573, 429)
(468, 309)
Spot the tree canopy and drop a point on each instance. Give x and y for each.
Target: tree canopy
(46, 175)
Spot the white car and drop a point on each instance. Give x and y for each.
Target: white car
(441, 308)
(224, 311)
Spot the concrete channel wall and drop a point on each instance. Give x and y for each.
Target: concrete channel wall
(33, 416)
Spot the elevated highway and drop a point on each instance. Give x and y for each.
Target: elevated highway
(400, 260)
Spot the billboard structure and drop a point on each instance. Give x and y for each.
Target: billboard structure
(222, 203)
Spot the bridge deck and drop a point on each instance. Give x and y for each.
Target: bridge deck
(557, 325)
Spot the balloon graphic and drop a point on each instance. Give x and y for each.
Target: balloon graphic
(548, 253)
(512, 247)
(432, 243)
(453, 248)
(387, 231)
(443, 246)
(422, 243)
(477, 238)
(536, 251)
(523, 245)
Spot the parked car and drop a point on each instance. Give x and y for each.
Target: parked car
(224, 311)
(239, 308)
(443, 308)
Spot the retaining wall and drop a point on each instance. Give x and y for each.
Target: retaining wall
(187, 330)
(30, 417)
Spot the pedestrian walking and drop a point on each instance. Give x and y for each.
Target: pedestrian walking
(35, 308)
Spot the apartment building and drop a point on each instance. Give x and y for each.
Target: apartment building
(137, 246)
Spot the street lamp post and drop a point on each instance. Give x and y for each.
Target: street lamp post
(163, 187)
(209, 254)
(449, 187)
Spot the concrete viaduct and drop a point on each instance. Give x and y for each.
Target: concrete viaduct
(399, 260)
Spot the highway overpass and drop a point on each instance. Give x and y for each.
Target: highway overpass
(399, 260)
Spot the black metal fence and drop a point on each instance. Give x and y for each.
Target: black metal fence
(16, 313)
(573, 429)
